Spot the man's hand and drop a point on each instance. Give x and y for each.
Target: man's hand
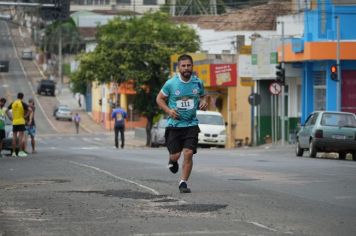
(203, 105)
(173, 114)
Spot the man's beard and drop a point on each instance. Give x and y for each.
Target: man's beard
(187, 74)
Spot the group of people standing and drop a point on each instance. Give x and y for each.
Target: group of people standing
(22, 116)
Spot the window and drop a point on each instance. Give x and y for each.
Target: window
(123, 1)
(342, 120)
(319, 90)
(149, 2)
(210, 119)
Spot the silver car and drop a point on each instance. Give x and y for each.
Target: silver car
(157, 133)
(325, 131)
(63, 113)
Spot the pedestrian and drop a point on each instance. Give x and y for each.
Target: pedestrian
(31, 125)
(76, 120)
(180, 97)
(119, 115)
(2, 122)
(19, 110)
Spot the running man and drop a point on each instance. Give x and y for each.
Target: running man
(19, 111)
(180, 97)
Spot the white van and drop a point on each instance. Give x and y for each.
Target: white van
(212, 128)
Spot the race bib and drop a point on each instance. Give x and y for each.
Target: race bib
(186, 104)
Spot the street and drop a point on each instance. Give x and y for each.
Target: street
(81, 185)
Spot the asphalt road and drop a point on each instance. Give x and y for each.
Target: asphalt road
(80, 185)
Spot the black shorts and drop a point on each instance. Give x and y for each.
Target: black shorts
(18, 128)
(2, 134)
(179, 138)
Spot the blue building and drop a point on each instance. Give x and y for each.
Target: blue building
(328, 25)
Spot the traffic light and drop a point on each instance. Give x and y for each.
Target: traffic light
(280, 73)
(333, 72)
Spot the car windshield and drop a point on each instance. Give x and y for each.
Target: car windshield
(210, 119)
(63, 109)
(340, 120)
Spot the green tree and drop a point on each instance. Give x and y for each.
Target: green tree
(66, 30)
(137, 49)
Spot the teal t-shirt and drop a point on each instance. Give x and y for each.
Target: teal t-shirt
(184, 97)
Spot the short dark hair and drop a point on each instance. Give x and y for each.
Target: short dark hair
(20, 95)
(185, 57)
(3, 100)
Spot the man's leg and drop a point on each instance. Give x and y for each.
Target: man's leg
(14, 139)
(21, 140)
(187, 164)
(33, 143)
(122, 136)
(116, 131)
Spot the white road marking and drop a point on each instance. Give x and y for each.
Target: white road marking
(261, 226)
(203, 232)
(116, 177)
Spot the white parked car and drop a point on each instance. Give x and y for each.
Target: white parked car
(157, 133)
(63, 113)
(212, 128)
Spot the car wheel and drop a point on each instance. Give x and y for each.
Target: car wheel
(342, 155)
(298, 150)
(354, 156)
(153, 142)
(312, 149)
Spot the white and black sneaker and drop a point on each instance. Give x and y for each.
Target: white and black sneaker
(183, 188)
(173, 166)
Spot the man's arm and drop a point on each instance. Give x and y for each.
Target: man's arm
(8, 113)
(203, 104)
(162, 103)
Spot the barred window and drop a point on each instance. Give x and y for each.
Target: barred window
(319, 78)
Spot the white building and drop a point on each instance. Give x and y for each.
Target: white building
(139, 6)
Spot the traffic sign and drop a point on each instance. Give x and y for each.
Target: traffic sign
(275, 88)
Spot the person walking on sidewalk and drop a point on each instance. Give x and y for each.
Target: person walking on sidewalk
(119, 115)
(2, 122)
(180, 97)
(31, 125)
(76, 120)
(19, 111)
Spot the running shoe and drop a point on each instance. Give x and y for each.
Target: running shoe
(183, 188)
(22, 154)
(173, 166)
(13, 154)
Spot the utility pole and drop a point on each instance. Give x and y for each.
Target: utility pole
(60, 75)
(172, 8)
(338, 85)
(283, 91)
